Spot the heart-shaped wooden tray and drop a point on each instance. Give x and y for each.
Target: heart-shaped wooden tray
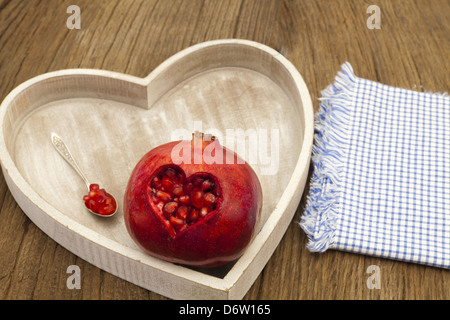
(110, 120)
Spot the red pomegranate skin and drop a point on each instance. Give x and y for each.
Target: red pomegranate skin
(219, 237)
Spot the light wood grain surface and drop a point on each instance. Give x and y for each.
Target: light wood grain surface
(410, 50)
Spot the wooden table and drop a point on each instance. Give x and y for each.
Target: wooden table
(411, 50)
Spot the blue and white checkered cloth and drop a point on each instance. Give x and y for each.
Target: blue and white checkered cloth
(381, 178)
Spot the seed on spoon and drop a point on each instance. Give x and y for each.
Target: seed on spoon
(99, 201)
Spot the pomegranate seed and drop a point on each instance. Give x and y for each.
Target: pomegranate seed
(167, 183)
(101, 193)
(171, 173)
(178, 191)
(182, 212)
(209, 199)
(94, 187)
(197, 198)
(93, 205)
(185, 200)
(203, 212)
(106, 209)
(197, 195)
(164, 196)
(207, 185)
(170, 207)
(175, 221)
(194, 215)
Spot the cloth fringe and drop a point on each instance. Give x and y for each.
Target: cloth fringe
(331, 140)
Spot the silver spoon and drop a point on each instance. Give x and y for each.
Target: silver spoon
(64, 151)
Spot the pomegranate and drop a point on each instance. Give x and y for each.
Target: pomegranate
(201, 211)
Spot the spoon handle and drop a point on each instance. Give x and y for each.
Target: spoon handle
(64, 151)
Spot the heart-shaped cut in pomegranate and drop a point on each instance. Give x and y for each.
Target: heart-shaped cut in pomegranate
(180, 202)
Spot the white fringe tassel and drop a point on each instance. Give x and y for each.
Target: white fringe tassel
(329, 155)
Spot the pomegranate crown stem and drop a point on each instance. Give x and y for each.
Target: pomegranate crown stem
(198, 136)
